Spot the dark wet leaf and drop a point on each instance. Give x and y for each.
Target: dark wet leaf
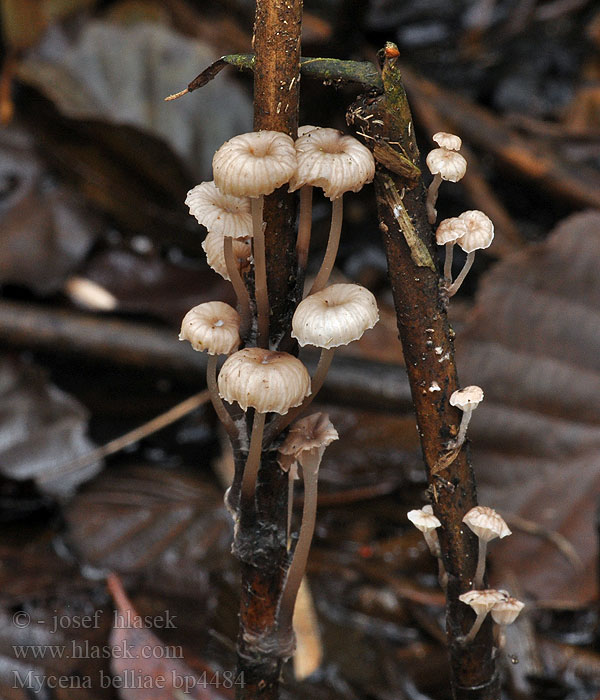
(41, 430)
(533, 345)
(94, 79)
(45, 231)
(170, 526)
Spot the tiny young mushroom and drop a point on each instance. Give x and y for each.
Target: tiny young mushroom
(241, 249)
(444, 164)
(448, 232)
(487, 524)
(505, 613)
(335, 316)
(228, 219)
(269, 382)
(425, 521)
(480, 234)
(446, 140)
(253, 165)
(213, 327)
(304, 444)
(466, 400)
(481, 602)
(337, 163)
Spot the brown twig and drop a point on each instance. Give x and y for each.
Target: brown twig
(427, 342)
(260, 541)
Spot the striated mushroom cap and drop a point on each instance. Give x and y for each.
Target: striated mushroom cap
(483, 601)
(254, 164)
(450, 165)
(467, 399)
(450, 230)
(423, 519)
(306, 129)
(212, 327)
(265, 380)
(220, 213)
(337, 315)
(215, 253)
(486, 523)
(307, 436)
(448, 141)
(480, 231)
(506, 611)
(333, 161)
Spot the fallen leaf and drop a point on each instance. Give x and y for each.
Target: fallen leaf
(41, 430)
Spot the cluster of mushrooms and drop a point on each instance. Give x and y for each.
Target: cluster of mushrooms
(276, 384)
(487, 524)
(472, 230)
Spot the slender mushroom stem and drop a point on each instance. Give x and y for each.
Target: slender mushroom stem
(337, 214)
(241, 291)
(253, 460)
(432, 195)
(462, 430)
(480, 571)
(315, 386)
(217, 401)
(448, 260)
(304, 228)
(310, 471)
(453, 288)
(291, 479)
(260, 272)
(476, 627)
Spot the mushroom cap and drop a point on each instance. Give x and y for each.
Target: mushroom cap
(480, 231)
(506, 611)
(307, 437)
(423, 520)
(306, 128)
(333, 161)
(483, 601)
(450, 165)
(486, 523)
(212, 327)
(467, 399)
(218, 212)
(450, 230)
(215, 252)
(337, 315)
(265, 380)
(450, 142)
(254, 164)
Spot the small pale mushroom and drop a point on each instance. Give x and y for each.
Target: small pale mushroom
(425, 521)
(449, 141)
(505, 613)
(226, 217)
(304, 444)
(253, 165)
(480, 234)
(447, 233)
(213, 327)
(481, 602)
(269, 382)
(444, 164)
(337, 163)
(335, 316)
(466, 400)
(487, 524)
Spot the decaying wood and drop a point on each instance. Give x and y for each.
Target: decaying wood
(427, 342)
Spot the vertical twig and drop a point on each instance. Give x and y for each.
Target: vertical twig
(427, 341)
(261, 535)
